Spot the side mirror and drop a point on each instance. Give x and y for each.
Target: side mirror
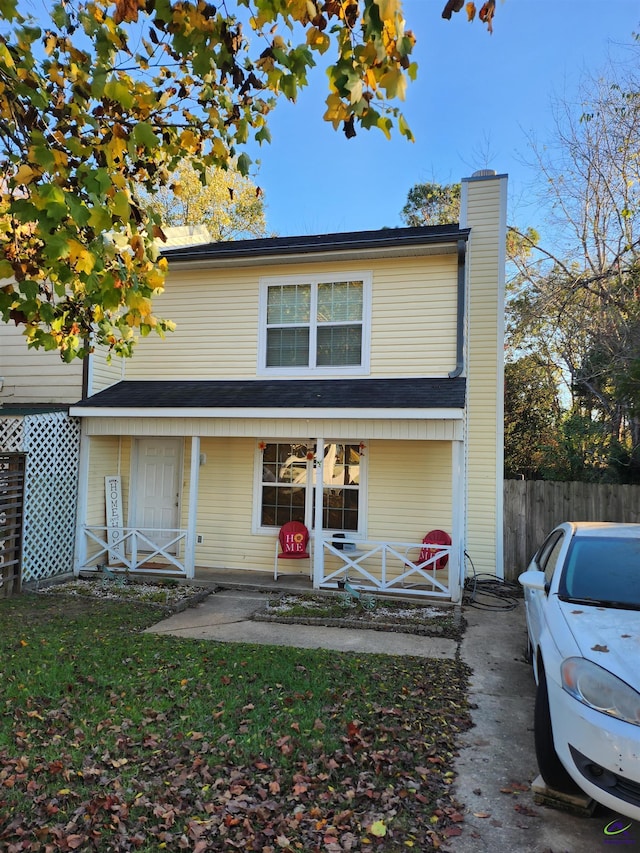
(533, 579)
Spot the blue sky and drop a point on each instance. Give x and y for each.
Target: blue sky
(476, 99)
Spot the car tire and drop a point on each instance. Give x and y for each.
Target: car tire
(550, 766)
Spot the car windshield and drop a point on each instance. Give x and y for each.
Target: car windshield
(603, 569)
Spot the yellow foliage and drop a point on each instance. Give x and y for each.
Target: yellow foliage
(228, 204)
(316, 38)
(394, 83)
(139, 303)
(116, 149)
(389, 9)
(155, 279)
(189, 141)
(336, 111)
(60, 158)
(5, 56)
(108, 137)
(25, 175)
(378, 828)
(80, 257)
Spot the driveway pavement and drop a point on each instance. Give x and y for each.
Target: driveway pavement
(496, 765)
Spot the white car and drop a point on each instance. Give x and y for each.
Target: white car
(582, 599)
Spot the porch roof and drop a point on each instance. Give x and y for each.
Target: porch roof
(406, 397)
(23, 409)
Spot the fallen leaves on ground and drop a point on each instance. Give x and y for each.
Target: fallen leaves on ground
(115, 740)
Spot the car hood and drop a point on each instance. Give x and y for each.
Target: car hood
(608, 637)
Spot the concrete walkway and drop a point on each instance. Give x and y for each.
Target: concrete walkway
(226, 617)
(496, 765)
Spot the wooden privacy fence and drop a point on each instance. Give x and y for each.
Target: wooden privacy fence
(12, 467)
(532, 508)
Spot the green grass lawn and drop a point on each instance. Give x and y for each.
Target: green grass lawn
(116, 740)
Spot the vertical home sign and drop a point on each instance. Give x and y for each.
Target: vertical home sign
(113, 506)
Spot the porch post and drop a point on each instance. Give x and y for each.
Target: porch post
(80, 556)
(459, 491)
(318, 544)
(194, 477)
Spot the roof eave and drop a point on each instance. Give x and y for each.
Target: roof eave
(182, 413)
(257, 252)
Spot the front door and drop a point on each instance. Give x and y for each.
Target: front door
(156, 494)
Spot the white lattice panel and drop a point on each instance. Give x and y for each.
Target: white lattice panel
(52, 444)
(11, 434)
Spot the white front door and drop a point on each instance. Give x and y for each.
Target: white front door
(156, 492)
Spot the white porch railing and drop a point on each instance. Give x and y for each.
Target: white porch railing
(392, 567)
(133, 548)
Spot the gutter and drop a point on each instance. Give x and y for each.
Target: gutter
(462, 272)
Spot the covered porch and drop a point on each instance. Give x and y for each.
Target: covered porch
(208, 489)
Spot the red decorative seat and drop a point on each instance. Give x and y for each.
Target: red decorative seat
(430, 548)
(435, 537)
(292, 543)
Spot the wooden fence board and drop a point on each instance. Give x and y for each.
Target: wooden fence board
(12, 468)
(532, 508)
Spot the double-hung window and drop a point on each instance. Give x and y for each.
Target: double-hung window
(287, 483)
(315, 325)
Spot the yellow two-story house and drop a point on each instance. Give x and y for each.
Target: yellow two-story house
(351, 382)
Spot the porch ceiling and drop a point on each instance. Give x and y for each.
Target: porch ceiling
(403, 398)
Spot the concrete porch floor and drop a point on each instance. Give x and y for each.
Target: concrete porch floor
(252, 580)
(289, 584)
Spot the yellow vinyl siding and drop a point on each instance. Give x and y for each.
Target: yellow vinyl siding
(409, 489)
(35, 377)
(216, 316)
(414, 317)
(413, 328)
(108, 455)
(103, 375)
(346, 429)
(104, 454)
(225, 508)
(485, 359)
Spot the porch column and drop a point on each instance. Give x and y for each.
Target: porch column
(318, 544)
(194, 478)
(459, 491)
(80, 556)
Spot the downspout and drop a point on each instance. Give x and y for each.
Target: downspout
(85, 372)
(462, 272)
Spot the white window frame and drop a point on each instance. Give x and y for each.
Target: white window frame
(257, 528)
(366, 277)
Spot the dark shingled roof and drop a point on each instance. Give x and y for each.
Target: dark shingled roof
(17, 409)
(412, 393)
(385, 238)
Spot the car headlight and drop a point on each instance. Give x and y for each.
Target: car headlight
(601, 690)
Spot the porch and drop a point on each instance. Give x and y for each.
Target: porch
(164, 504)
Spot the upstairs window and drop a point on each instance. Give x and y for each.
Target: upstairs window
(315, 325)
